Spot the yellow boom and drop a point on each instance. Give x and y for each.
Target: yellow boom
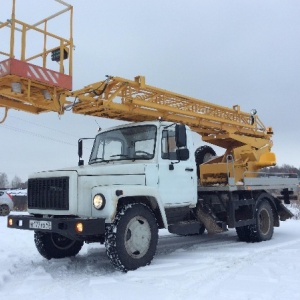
(246, 140)
(31, 87)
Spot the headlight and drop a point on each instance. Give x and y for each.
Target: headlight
(99, 201)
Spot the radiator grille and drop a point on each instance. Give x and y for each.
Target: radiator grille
(48, 193)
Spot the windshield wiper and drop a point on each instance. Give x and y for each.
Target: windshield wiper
(125, 156)
(98, 159)
(121, 155)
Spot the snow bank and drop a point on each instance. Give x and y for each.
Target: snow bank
(17, 192)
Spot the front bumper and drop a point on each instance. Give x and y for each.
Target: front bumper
(71, 227)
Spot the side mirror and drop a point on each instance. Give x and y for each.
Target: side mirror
(180, 135)
(183, 154)
(80, 161)
(80, 148)
(80, 151)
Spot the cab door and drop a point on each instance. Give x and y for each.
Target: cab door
(177, 170)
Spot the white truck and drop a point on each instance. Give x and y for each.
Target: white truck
(142, 177)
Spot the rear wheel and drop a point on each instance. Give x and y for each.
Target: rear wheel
(53, 245)
(243, 233)
(131, 239)
(4, 210)
(264, 227)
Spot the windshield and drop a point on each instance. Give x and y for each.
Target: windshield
(129, 143)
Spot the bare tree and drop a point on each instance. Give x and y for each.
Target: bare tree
(16, 182)
(3, 180)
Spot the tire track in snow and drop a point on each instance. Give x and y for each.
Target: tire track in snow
(213, 262)
(199, 260)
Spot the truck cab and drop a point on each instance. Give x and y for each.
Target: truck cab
(142, 159)
(149, 165)
(131, 161)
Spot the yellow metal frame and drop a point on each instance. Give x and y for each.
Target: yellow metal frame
(32, 96)
(246, 140)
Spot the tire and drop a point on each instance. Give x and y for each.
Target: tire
(202, 155)
(53, 245)
(263, 229)
(131, 240)
(4, 210)
(201, 230)
(243, 233)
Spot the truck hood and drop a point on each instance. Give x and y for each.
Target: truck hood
(96, 170)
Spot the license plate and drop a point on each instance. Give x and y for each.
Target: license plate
(34, 224)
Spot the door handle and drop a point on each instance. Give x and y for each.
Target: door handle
(189, 169)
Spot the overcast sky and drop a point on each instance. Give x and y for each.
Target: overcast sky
(228, 52)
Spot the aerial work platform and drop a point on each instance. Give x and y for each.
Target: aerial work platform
(31, 88)
(27, 83)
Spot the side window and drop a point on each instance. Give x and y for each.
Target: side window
(168, 145)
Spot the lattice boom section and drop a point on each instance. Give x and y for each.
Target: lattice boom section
(128, 100)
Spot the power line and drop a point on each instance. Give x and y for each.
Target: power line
(36, 134)
(44, 126)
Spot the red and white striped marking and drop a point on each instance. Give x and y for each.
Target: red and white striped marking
(23, 69)
(42, 74)
(4, 68)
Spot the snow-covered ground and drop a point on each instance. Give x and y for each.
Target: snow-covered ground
(17, 192)
(199, 267)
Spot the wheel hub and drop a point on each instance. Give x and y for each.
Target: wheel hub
(264, 221)
(137, 237)
(4, 210)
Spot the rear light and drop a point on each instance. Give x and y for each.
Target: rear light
(9, 195)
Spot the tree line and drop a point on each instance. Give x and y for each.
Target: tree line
(283, 169)
(15, 183)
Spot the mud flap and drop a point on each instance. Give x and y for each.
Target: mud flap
(283, 212)
(211, 224)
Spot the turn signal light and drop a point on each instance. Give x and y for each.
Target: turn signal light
(79, 227)
(10, 222)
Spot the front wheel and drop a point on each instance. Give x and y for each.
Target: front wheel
(131, 239)
(53, 245)
(4, 210)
